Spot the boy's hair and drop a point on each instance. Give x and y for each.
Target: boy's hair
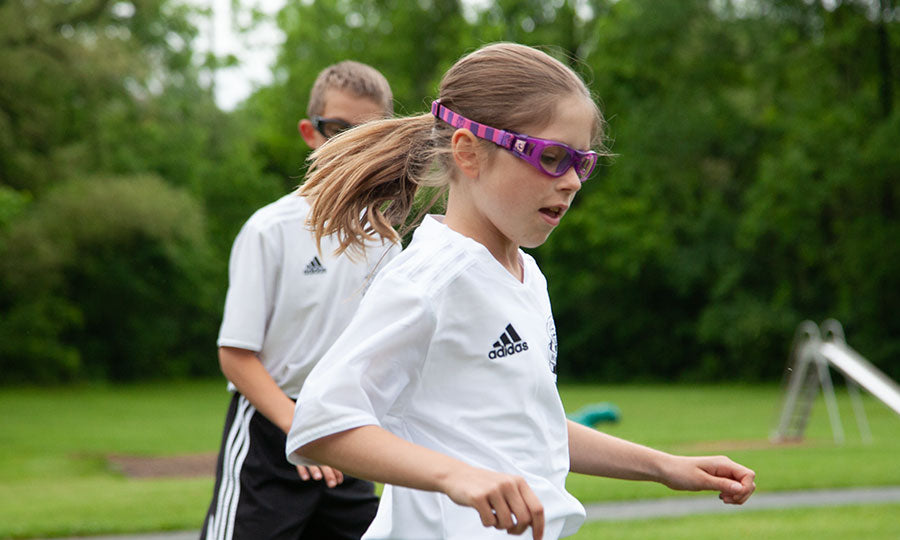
(367, 183)
(355, 77)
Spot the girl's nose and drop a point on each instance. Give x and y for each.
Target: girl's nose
(569, 181)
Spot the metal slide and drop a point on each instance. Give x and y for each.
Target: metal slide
(863, 373)
(812, 357)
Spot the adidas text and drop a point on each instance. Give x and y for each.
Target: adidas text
(509, 344)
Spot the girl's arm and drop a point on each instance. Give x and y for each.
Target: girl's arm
(503, 501)
(596, 453)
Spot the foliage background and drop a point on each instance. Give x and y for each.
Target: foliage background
(756, 183)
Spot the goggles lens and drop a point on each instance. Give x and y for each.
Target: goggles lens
(329, 127)
(585, 166)
(556, 158)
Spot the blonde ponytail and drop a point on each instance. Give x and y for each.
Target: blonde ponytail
(364, 181)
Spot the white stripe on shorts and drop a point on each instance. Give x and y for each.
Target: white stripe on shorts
(221, 526)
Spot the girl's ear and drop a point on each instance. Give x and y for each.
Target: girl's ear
(465, 149)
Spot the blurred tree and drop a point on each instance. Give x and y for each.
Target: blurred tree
(755, 182)
(108, 278)
(113, 89)
(746, 195)
(814, 239)
(64, 64)
(103, 86)
(12, 203)
(411, 43)
(637, 251)
(567, 28)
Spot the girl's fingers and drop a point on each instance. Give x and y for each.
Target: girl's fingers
(535, 510)
(488, 519)
(738, 490)
(503, 501)
(519, 507)
(750, 487)
(498, 502)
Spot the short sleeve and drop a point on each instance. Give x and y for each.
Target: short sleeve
(252, 271)
(366, 371)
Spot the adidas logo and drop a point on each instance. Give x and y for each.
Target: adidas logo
(314, 267)
(509, 344)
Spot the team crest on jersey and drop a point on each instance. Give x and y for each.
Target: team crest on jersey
(551, 331)
(509, 344)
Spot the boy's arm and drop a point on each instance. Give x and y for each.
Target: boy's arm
(243, 368)
(246, 372)
(596, 453)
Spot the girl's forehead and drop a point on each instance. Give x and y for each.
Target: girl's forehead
(572, 122)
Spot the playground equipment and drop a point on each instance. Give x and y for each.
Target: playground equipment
(596, 413)
(809, 368)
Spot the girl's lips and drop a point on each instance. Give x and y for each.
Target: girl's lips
(553, 214)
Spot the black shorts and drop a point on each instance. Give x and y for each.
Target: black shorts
(259, 495)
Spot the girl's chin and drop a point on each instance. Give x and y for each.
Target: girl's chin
(535, 240)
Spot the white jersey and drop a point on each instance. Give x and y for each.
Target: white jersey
(451, 352)
(286, 301)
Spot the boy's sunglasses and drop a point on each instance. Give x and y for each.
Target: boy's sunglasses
(329, 127)
(550, 157)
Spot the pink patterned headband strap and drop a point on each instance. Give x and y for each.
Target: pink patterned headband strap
(497, 136)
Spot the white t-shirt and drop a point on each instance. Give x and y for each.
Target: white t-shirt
(449, 351)
(286, 301)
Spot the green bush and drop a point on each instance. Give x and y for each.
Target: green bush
(108, 278)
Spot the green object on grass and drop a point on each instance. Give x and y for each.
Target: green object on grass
(596, 413)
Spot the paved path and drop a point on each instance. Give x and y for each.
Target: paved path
(682, 506)
(667, 507)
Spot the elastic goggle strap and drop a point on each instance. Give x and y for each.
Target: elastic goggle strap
(496, 136)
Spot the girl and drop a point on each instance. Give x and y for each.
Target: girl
(443, 386)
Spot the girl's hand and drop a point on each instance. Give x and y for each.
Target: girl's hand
(734, 482)
(331, 476)
(503, 501)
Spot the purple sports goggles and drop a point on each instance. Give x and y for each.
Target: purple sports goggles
(550, 157)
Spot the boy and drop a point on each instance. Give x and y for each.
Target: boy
(286, 304)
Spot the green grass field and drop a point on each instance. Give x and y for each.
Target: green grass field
(876, 522)
(56, 480)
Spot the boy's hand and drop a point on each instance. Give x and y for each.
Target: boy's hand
(331, 476)
(503, 501)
